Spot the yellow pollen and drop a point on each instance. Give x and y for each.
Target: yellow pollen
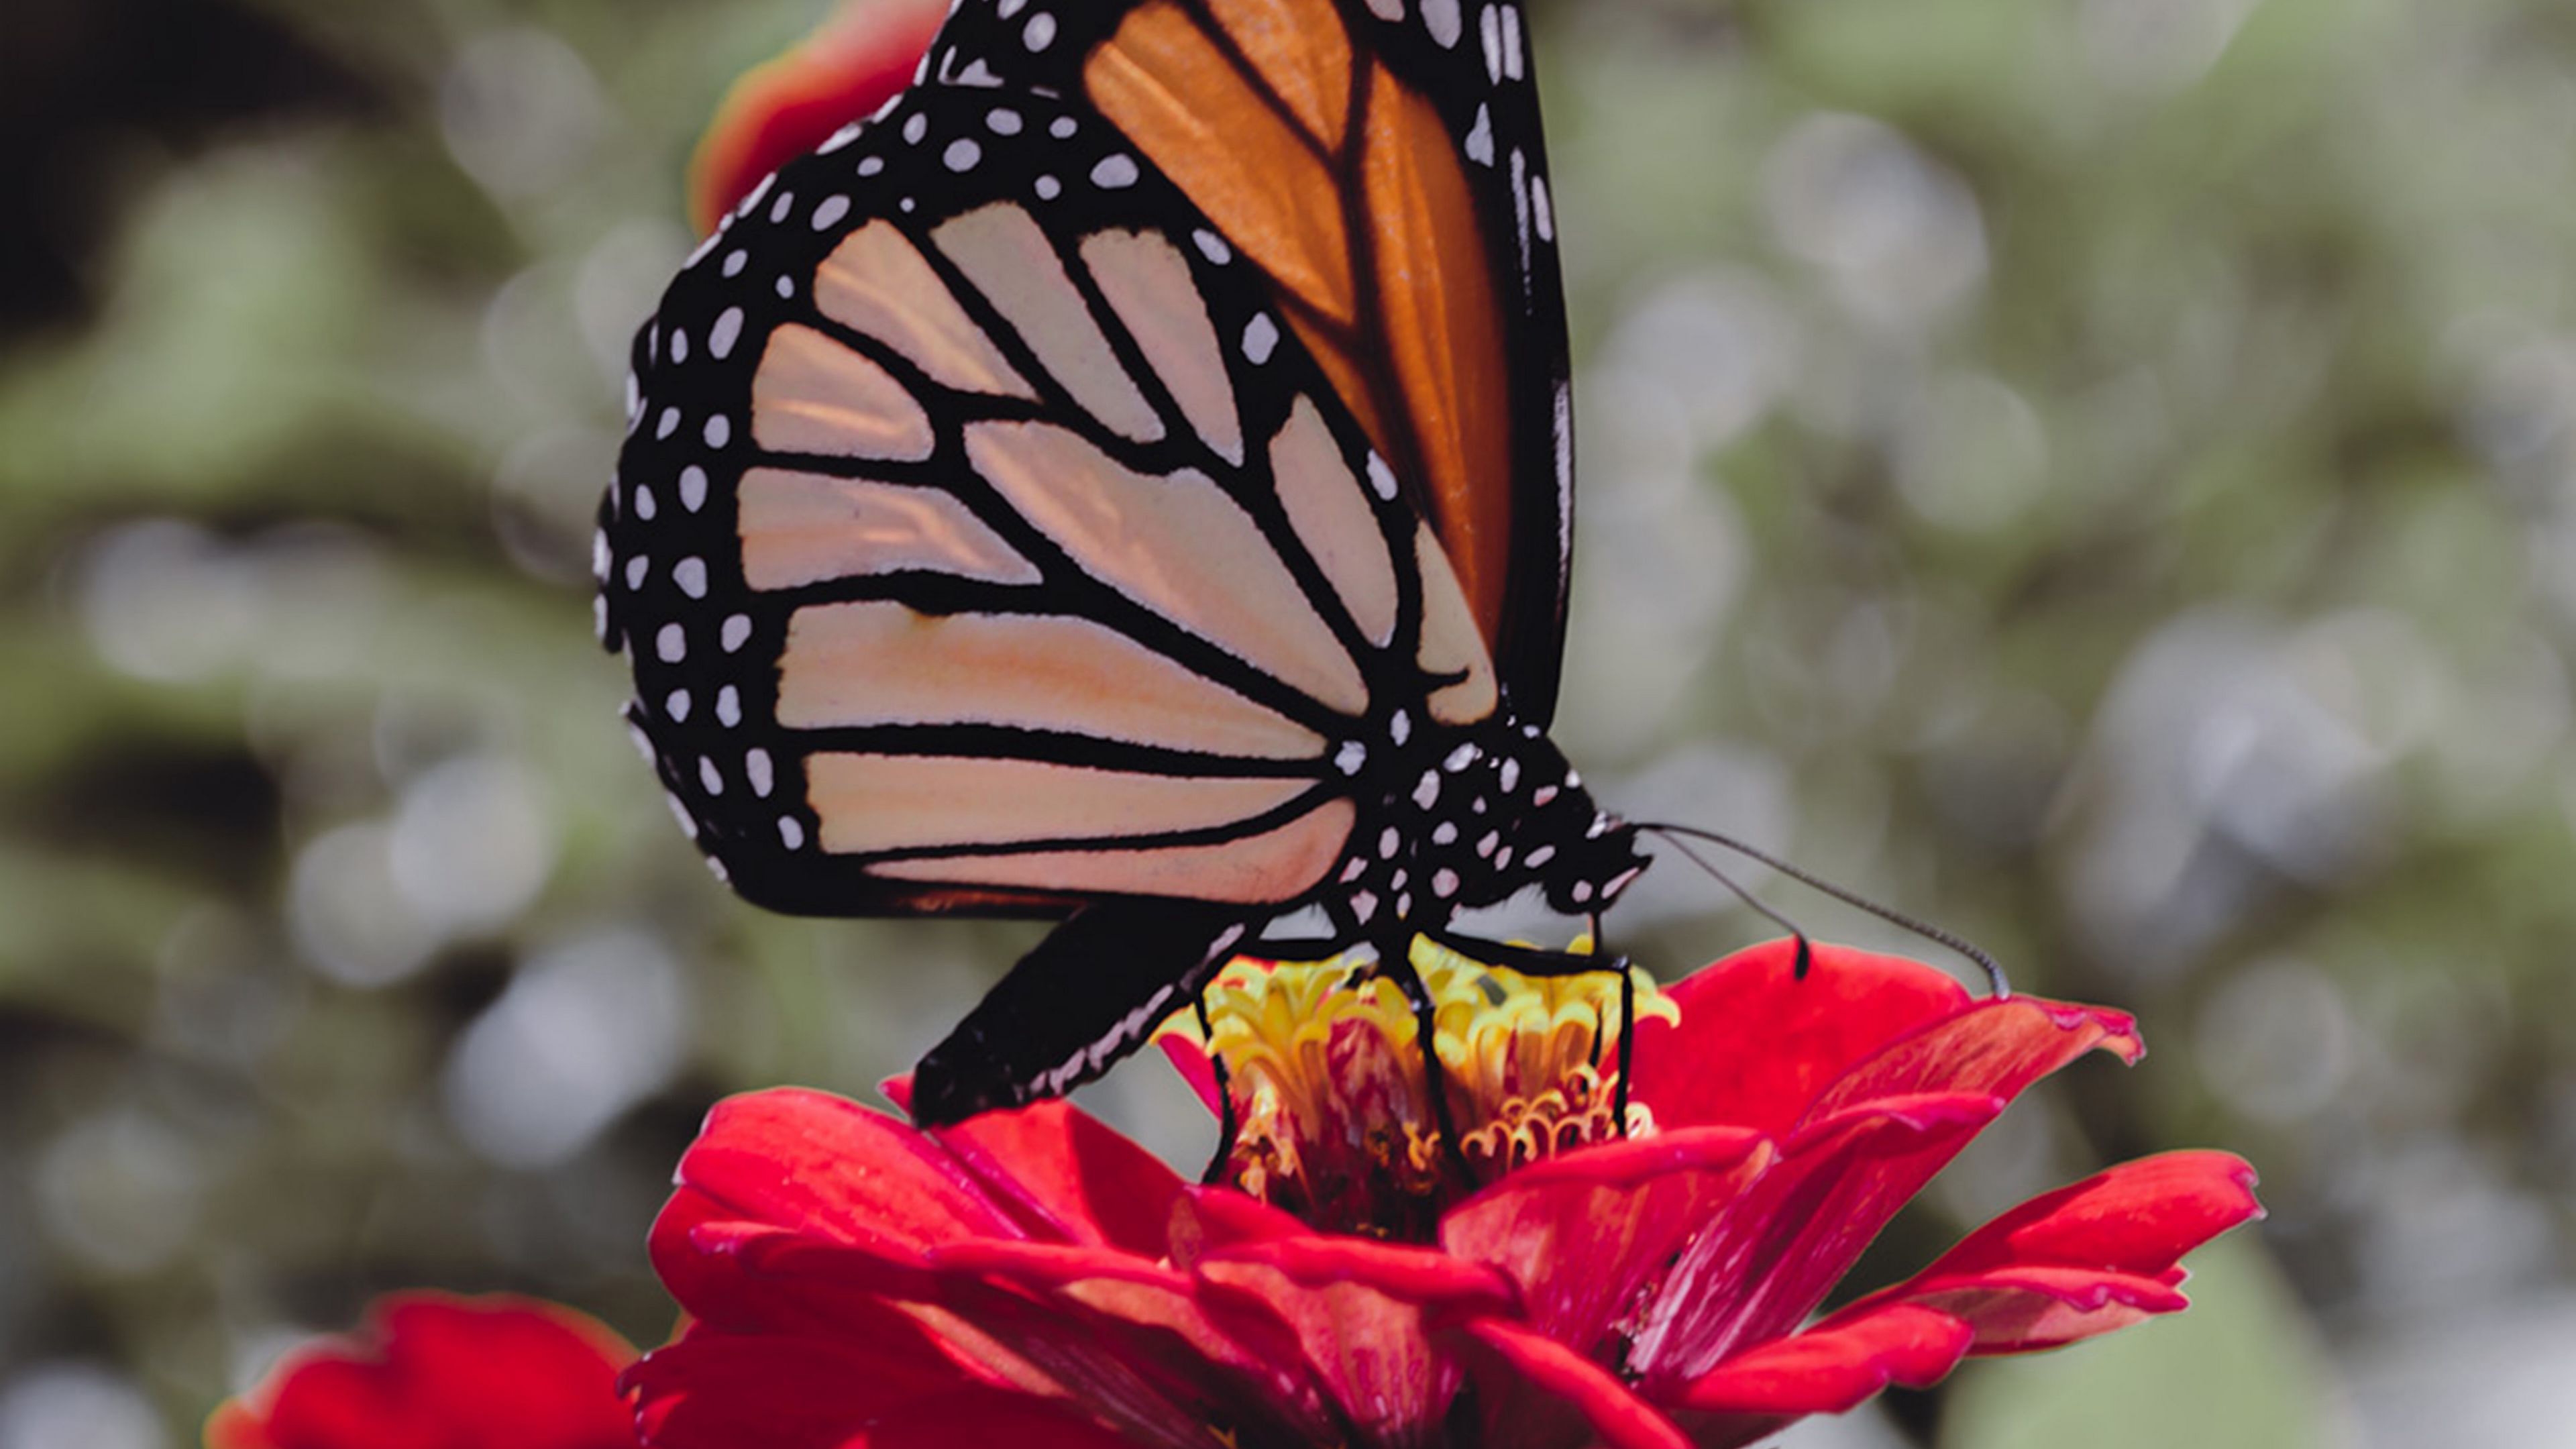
(1329, 1092)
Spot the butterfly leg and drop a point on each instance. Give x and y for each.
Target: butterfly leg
(1395, 963)
(1536, 961)
(1087, 996)
(1228, 1127)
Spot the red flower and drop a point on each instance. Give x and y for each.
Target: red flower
(431, 1371)
(855, 62)
(857, 1282)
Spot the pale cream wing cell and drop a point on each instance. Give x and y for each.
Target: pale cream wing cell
(1176, 544)
(876, 282)
(814, 395)
(877, 662)
(808, 528)
(1272, 866)
(1006, 255)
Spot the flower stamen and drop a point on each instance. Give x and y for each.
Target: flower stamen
(1327, 1083)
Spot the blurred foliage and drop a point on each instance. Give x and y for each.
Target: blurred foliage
(2100, 474)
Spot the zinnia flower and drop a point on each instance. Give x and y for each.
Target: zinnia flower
(1031, 1278)
(432, 1371)
(852, 64)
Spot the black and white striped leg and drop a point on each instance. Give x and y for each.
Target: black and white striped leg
(1228, 1127)
(1395, 963)
(1536, 961)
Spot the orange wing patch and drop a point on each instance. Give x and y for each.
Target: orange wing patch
(1345, 187)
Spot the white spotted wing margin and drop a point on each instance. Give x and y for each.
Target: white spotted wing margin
(981, 544)
(1473, 61)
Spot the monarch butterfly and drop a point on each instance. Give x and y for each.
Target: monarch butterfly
(1126, 479)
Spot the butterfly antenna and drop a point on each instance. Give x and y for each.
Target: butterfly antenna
(1985, 960)
(1806, 951)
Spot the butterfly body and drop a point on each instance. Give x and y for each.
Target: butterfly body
(1033, 506)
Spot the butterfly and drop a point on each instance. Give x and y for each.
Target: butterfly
(1126, 480)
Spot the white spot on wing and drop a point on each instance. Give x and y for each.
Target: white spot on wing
(791, 833)
(757, 769)
(736, 632)
(1260, 339)
(676, 707)
(727, 331)
(729, 706)
(691, 575)
(1489, 26)
(1381, 477)
(1115, 173)
(829, 214)
(672, 644)
(915, 127)
(1480, 139)
(1441, 18)
(1041, 32)
(693, 487)
(962, 154)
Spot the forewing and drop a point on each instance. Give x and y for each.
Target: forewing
(1381, 161)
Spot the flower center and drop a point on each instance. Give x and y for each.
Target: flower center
(1330, 1096)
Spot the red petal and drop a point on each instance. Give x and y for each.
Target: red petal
(1360, 1315)
(989, 1418)
(1833, 1367)
(1755, 1044)
(829, 1168)
(1785, 1243)
(777, 1391)
(433, 1370)
(1582, 1234)
(857, 61)
(1069, 1176)
(1997, 1046)
(1196, 1067)
(1538, 1368)
(2089, 1257)
(2138, 1217)
(1131, 1339)
(1208, 1219)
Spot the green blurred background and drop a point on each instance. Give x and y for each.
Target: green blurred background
(2098, 473)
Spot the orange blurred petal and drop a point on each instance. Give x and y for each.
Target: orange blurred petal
(855, 62)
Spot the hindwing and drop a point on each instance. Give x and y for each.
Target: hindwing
(988, 537)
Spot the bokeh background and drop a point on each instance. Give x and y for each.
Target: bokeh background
(2098, 473)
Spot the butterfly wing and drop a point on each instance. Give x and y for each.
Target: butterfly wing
(985, 541)
(1382, 162)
